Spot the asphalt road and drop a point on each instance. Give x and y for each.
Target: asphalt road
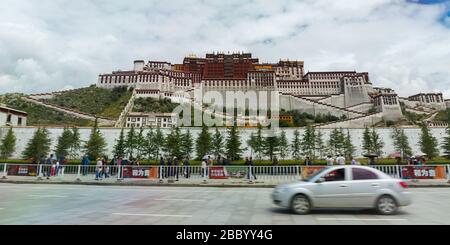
(98, 205)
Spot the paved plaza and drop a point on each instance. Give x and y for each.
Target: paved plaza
(115, 205)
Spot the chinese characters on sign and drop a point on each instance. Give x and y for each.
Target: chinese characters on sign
(423, 172)
(140, 172)
(16, 170)
(217, 173)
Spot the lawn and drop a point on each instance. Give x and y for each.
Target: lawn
(39, 115)
(94, 100)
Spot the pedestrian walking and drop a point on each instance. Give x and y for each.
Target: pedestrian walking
(226, 161)
(176, 164)
(98, 169)
(49, 163)
(186, 168)
(85, 163)
(329, 160)
(250, 174)
(42, 160)
(162, 170)
(274, 165)
(340, 160)
(169, 167)
(57, 168)
(210, 161)
(353, 162)
(53, 169)
(204, 168)
(307, 161)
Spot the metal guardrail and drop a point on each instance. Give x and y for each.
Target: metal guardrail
(270, 174)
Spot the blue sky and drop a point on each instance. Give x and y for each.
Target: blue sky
(59, 44)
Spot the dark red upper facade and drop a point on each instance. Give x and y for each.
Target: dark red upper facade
(220, 66)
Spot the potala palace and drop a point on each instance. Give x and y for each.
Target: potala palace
(349, 95)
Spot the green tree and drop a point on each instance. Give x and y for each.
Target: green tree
(140, 144)
(8, 145)
(427, 142)
(95, 147)
(377, 143)
(401, 143)
(271, 146)
(64, 143)
(349, 148)
(367, 145)
(259, 143)
(187, 144)
(75, 145)
(131, 143)
(150, 145)
(446, 143)
(119, 147)
(308, 142)
(336, 142)
(203, 143)
(217, 143)
(319, 144)
(284, 145)
(39, 145)
(251, 142)
(233, 145)
(159, 142)
(295, 146)
(172, 144)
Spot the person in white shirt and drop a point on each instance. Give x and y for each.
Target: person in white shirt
(98, 172)
(329, 160)
(57, 171)
(204, 168)
(340, 160)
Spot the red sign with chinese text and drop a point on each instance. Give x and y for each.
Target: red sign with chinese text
(139, 172)
(217, 173)
(423, 172)
(17, 170)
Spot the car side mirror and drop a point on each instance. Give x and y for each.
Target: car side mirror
(320, 180)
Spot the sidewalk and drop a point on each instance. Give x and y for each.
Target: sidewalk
(183, 182)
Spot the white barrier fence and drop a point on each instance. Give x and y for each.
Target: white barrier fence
(266, 174)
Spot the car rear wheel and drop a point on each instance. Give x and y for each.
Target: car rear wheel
(300, 204)
(386, 205)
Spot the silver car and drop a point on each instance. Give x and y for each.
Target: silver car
(344, 187)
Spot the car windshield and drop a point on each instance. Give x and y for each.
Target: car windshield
(311, 177)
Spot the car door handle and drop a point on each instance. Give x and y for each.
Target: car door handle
(343, 185)
(375, 185)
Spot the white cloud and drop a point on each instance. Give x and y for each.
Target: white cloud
(50, 45)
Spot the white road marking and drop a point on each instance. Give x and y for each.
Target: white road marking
(186, 200)
(153, 215)
(47, 196)
(358, 219)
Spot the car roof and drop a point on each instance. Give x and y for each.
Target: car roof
(361, 167)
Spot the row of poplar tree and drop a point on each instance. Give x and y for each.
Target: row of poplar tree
(154, 144)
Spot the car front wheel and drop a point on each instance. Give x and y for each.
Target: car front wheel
(386, 205)
(300, 204)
